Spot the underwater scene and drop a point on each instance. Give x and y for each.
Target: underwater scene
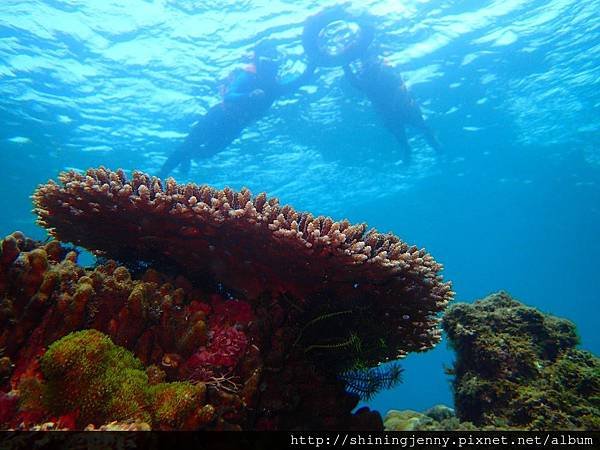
(299, 215)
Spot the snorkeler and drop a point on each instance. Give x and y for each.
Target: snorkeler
(248, 97)
(388, 94)
(350, 36)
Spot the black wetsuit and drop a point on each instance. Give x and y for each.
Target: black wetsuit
(225, 121)
(392, 101)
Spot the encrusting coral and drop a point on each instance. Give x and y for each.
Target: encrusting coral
(518, 368)
(437, 418)
(272, 312)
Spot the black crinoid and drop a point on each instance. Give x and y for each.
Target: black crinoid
(366, 382)
(6, 367)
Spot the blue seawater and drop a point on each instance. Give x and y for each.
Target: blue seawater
(510, 86)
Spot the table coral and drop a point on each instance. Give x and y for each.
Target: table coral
(518, 368)
(271, 312)
(252, 245)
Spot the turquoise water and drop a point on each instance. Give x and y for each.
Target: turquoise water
(510, 87)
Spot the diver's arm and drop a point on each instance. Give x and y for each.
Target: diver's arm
(351, 76)
(240, 89)
(304, 78)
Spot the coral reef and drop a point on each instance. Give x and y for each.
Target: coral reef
(253, 245)
(207, 309)
(174, 352)
(518, 368)
(217, 310)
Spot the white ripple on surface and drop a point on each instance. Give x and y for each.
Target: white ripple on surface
(19, 140)
(133, 76)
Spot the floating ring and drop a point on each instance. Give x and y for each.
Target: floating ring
(357, 48)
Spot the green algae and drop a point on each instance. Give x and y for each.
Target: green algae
(517, 367)
(86, 375)
(173, 403)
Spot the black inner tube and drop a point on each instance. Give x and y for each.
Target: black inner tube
(354, 50)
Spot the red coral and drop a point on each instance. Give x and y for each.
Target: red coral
(196, 306)
(68, 421)
(28, 365)
(8, 407)
(225, 350)
(230, 312)
(228, 344)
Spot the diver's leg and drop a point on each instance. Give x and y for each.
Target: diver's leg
(433, 141)
(399, 133)
(416, 120)
(179, 157)
(430, 137)
(185, 166)
(191, 146)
